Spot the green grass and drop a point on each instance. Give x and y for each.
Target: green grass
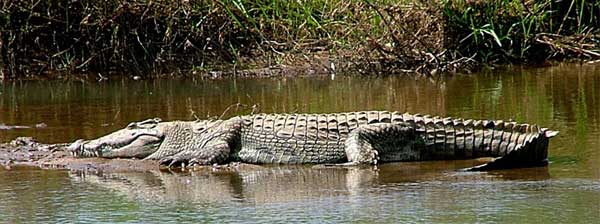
(142, 37)
(519, 31)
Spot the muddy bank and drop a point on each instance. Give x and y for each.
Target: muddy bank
(26, 151)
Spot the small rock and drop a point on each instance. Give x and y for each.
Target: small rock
(23, 141)
(41, 125)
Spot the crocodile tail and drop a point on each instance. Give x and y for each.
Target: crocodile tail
(531, 151)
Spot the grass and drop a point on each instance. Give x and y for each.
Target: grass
(500, 31)
(143, 37)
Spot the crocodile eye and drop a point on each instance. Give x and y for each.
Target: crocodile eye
(131, 125)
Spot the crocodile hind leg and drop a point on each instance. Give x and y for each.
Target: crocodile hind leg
(383, 142)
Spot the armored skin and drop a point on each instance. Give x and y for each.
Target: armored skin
(351, 138)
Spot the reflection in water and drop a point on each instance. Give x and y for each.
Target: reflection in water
(275, 184)
(425, 191)
(564, 98)
(255, 185)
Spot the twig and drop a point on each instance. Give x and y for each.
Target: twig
(565, 18)
(255, 109)
(237, 105)
(593, 62)
(117, 114)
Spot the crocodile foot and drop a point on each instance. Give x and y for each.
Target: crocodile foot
(195, 158)
(177, 161)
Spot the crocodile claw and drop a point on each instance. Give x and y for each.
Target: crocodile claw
(178, 161)
(172, 161)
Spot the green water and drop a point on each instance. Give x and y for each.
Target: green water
(564, 98)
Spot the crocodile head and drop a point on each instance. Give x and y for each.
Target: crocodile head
(137, 140)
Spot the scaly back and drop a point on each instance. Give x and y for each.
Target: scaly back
(445, 138)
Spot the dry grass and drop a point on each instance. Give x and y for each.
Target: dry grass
(145, 37)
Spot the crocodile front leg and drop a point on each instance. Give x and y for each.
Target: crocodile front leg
(383, 142)
(216, 151)
(213, 145)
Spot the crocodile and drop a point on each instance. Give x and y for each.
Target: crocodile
(351, 138)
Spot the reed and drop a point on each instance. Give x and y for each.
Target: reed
(501, 31)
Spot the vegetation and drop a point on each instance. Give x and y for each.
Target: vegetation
(500, 31)
(144, 37)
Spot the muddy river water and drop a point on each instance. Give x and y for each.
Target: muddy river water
(564, 98)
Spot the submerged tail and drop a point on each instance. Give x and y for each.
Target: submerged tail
(532, 151)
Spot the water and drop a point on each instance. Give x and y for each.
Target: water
(564, 98)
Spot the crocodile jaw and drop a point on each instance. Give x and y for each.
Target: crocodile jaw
(125, 143)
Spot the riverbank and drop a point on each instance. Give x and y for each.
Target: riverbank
(142, 39)
(27, 152)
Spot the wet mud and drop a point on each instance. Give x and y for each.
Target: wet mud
(21, 152)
